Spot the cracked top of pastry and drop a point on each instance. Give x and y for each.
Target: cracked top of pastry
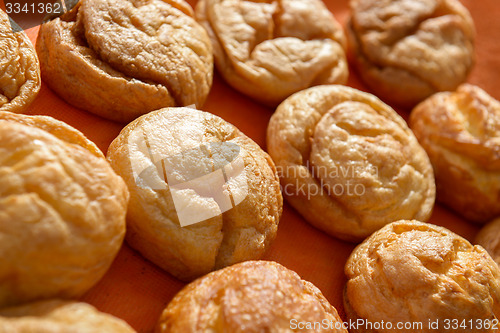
(348, 162)
(254, 296)
(203, 194)
(59, 316)
(123, 58)
(407, 50)
(271, 49)
(415, 272)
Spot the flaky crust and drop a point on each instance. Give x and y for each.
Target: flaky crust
(406, 50)
(254, 296)
(123, 58)
(154, 227)
(271, 49)
(57, 316)
(348, 162)
(412, 272)
(62, 211)
(461, 133)
(19, 68)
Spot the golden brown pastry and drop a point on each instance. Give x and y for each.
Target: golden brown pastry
(19, 68)
(489, 238)
(348, 162)
(123, 58)
(461, 133)
(57, 316)
(406, 50)
(203, 194)
(415, 273)
(271, 49)
(254, 296)
(62, 210)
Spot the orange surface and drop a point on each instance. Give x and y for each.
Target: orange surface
(137, 291)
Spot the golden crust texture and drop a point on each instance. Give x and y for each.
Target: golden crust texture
(254, 296)
(203, 195)
(55, 127)
(348, 162)
(414, 272)
(489, 238)
(461, 133)
(123, 58)
(19, 68)
(62, 211)
(57, 316)
(273, 48)
(406, 50)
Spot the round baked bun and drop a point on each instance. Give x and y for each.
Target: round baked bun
(461, 133)
(203, 194)
(411, 273)
(406, 50)
(120, 59)
(254, 296)
(269, 50)
(489, 238)
(57, 316)
(20, 78)
(348, 163)
(62, 210)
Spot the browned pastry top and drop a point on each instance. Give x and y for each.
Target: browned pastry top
(461, 133)
(254, 296)
(489, 238)
(465, 123)
(57, 316)
(172, 161)
(409, 49)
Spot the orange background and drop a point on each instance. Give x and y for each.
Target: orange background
(137, 291)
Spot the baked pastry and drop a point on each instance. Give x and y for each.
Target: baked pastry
(254, 296)
(348, 162)
(461, 133)
(123, 58)
(489, 238)
(271, 49)
(19, 68)
(412, 273)
(406, 50)
(203, 194)
(57, 316)
(62, 210)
